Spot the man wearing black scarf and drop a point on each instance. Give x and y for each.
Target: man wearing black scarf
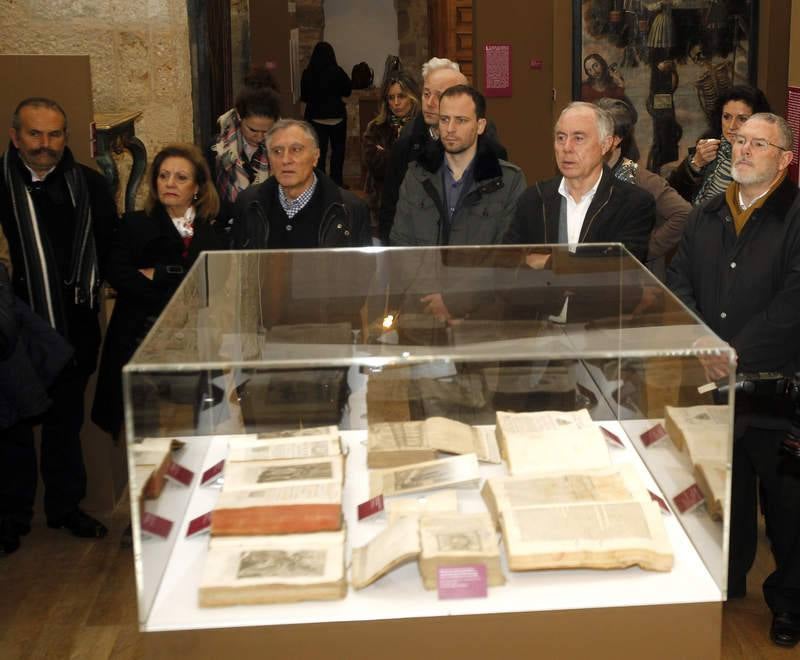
(58, 217)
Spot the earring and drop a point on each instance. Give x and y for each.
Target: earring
(195, 196)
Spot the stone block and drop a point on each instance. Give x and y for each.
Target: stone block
(134, 67)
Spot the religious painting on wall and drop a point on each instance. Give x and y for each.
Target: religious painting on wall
(668, 59)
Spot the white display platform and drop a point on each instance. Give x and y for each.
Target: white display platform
(400, 594)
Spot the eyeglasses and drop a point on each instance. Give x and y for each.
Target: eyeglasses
(758, 144)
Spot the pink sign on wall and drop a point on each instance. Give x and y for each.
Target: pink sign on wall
(793, 117)
(497, 70)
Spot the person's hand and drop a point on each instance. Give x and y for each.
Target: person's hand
(434, 305)
(705, 152)
(716, 367)
(148, 272)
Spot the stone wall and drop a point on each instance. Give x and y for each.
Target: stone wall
(311, 24)
(139, 54)
(412, 33)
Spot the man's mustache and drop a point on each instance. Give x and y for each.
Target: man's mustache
(44, 150)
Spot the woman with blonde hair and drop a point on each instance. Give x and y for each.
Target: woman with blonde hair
(149, 257)
(399, 105)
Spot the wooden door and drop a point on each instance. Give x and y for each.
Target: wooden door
(451, 32)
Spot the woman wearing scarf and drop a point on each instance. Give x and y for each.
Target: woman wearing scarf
(706, 171)
(238, 157)
(149, 257)
(400, 95)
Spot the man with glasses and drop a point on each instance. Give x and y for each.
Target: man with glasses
(738, 268)
(299, 206)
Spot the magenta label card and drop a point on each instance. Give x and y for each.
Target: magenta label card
(156, 525)
(212, 473)
(370, 507)
(199, 525)
(660, 501)
(653, 435)
(689, 499)
(468, 581)
(178, 473)
(611, 437)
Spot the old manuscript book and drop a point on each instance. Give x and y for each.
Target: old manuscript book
(285, 508)
(613, 484)
(285, 447)
(154, 455)
(441, 473)
(585, 519)
(442, 501)
(550, 441)
(391, 444)
(457, 539)
(702, 432)
(273, 569)
(252, 475)
(712, 477)
(394, 546)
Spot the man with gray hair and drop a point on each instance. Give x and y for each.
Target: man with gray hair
(738, 268)
(438, 74)
(299, 206)
(586, 203)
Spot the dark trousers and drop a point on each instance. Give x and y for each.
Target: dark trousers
(337, 135)
(757, 460)
(61, 459)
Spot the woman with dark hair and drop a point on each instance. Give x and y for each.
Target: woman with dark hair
(706, 171)
(671, 209)
(149, 257)
(322, 87)
(400, 104)
(238, 158)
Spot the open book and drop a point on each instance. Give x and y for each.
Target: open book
(394, 546)
(441, 473)
(442, 501)
(252, 475)
(550, 441)
(457, 539)
(712, 477)
(273, 569)
(702, 432)
(583, 519)
(400, 443)
(152, 458)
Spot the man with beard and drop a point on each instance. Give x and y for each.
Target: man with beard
(460, 193)
(58, 217)
(738, 268)
(422, 135)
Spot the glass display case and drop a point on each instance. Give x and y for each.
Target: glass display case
(255, 342)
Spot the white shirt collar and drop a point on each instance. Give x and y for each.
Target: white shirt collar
(562, 188)
(34, 176)
(744, 206)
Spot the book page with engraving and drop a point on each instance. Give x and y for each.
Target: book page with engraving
(323, 492)
(284, 448)
(443, 501)
(252, 475)
(452, 471)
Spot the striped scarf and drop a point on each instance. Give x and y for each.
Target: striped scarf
(717, 174)
(234, 172)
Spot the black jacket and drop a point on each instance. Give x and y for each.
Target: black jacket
(323, 94)
(619, 213)
(344, 220)
(414, 141)
(746, 288)
(143, 241)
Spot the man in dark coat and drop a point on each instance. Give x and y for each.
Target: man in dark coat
(738, 269)
(421, 135)
(299, 206)
(58, 217)
(586, 203)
